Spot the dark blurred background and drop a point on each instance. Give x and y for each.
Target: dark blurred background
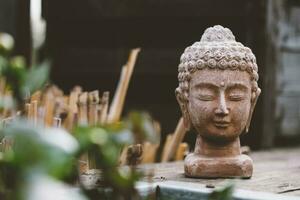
(89, 41)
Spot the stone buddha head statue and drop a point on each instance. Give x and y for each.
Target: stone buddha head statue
(218, 86)
(217, 94)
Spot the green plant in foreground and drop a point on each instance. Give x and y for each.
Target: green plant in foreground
(50, 156)
(223, 193)
(43, 162)
(19, 78)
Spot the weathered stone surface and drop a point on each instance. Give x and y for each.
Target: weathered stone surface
(217, 94)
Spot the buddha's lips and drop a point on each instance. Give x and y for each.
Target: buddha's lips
(221, 123)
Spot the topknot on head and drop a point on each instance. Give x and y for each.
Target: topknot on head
(217, 33)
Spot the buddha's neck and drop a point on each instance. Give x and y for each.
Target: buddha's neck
(210, 149)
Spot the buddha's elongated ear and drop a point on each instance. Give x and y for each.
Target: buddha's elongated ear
(254, 97)
(183, 106)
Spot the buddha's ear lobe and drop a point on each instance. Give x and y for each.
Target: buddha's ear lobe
(183, 103)
(254, 97)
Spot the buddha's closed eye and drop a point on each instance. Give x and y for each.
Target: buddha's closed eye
(206, 97)
(236, 94)
(206, 94)
(236, 97)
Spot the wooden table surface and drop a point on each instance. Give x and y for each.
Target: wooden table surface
(275, 171)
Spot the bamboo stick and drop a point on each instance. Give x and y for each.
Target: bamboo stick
(116, 108)
(28, 111)
(104, 108)
(181, 151)
(166, 145)
(34, 112)
(72, 109)
(123, 156)
(77, 89)
(120, 94)
(93, 107)
(93, 98)
(73, 101)
(176, 140)
(36, 96)
(82, 102)
(83, 120)
(2, 85)
(149, 149)
(49, 108)
(149, 152)
(66, 99)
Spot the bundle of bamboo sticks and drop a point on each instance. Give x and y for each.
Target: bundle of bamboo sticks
(52, 108)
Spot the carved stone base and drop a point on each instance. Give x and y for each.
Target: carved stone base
(198, 166)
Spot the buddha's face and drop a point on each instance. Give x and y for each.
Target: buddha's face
(219, 103)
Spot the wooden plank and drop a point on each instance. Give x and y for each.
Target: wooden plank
(275, 171)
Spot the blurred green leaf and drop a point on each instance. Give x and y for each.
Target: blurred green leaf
(99, 136)
(223, 193)
(35, 78)
(3, 64)
(37, 148)
(142, 126)
(18, 62)
(14, 72)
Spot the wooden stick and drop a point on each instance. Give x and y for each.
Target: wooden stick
(73, 101)
(66, 99)
(123, 156)
(120, 94)
(149, 149)
(77, 89)
(83, 120)
(34, 101)
(49, 108)
(56, 91)
(93, 107)
(2, 85)
(166, 145)
(176, 140)
(28, 111)
(104, 108)
(82, 102)
(72, 110)
(93, 120)
(34, 112)
(149, 152)
(61, 111)
(182, 151)
(116, 108)
(36, 96)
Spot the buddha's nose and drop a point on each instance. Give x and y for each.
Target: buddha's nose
(222, 108)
